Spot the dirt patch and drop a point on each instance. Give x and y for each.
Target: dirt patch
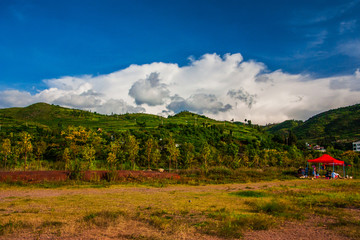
(313, 228)
(40, 176)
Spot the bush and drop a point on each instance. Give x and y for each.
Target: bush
(221, 171)
(75, 173)
(111, 176)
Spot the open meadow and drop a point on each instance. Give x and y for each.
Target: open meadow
(289, 209)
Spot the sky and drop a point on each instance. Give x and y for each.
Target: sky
(266, 61)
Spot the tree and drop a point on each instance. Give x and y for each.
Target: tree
(188, 153)
(66, 158)
(350, 157)
(40, 148)
(6, 149)
(156, 155)
(111, 160)
(25, 146)
(132, 147)
(292, 138)
(89, 156)
(149, 144)
(16, 154)
(173, 151)
(205, 154)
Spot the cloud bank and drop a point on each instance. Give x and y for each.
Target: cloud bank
(221, 87)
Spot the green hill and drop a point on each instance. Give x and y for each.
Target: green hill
(63, 138)
(332, 127)
(46, 116)
(284, 126)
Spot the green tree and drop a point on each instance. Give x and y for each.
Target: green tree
(174, 152)
(188, 153)
(111, 160)
(25, 146)
(149, 145)
(155, 156)
(292, 138)
(16, 154)
(89, 156)
(40, 148)
(349, 157)
(205, 154)
(66, 158)
(6, 149)
(132, 148)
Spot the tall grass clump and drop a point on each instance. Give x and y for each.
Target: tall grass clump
(277, 208)
(232, 225)
(13, 226)
(103, 218)
(249, 193)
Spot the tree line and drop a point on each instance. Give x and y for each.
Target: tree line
(169, 146)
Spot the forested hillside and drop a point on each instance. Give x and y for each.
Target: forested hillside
(338, 128)
(43, 136)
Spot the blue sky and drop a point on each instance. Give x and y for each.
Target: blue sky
(42, 42)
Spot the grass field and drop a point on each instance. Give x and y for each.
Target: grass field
(319, 209)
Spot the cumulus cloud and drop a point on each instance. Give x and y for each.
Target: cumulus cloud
(346, 82)
(200, 103)
(222, 87)
(149, 91)
(78, 101)
(15, 98)
(243, 96)
(118, 106)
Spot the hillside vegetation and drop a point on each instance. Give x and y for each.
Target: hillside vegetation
(338, 127)
(43, 136)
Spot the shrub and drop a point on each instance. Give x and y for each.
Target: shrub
(219, 171)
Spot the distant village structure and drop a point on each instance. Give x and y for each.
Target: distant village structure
(316, 148)
(356, 146)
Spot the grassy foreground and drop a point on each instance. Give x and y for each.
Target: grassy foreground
(225, 211)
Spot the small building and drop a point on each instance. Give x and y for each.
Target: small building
(319, 148)
(356, 146)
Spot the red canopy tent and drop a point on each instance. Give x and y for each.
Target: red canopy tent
(328, 160)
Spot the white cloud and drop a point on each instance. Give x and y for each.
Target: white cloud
(15, 98)
(220, 87)
(118, 106)
(243, 96)
(149, 91)
(346, 82)
(200, 103)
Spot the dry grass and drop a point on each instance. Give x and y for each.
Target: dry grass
(176, 211)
